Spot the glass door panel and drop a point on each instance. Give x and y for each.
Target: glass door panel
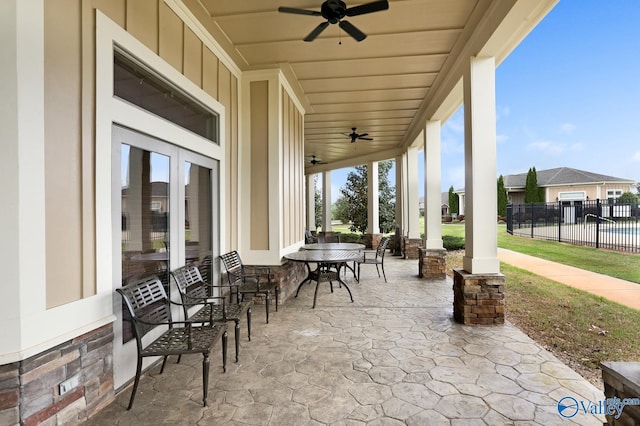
(145, 213)
(200, 212)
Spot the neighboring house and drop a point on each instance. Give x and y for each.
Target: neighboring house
(565, 184)
(444, 206)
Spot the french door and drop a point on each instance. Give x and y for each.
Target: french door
(168, 202)
(165, 213)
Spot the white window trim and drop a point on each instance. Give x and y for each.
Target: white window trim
(111, 110)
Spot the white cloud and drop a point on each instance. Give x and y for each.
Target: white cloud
(500, 138)
(502, 112)
(547, 147)
(636, 156)
(455, 177)
(452, 146)
(567, 128)
(576, 147)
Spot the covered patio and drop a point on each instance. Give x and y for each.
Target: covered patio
(393, 356)
(221, 105)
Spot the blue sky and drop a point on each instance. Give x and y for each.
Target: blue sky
(568, 95)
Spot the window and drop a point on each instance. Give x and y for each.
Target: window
(135, 83)
(613, 194)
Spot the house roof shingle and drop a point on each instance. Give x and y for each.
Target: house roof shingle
(561, 176)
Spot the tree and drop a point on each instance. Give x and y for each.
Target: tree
(503, 199)
(454, 201)
(531, 191)
(340, 210)
(354, 194)
(386, 198)
(627, 198)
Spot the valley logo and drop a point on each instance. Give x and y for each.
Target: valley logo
(569, 407)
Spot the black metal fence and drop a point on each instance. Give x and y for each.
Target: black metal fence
(594, 223)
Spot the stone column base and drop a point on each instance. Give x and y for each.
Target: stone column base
(478, 298)
(410, 248)
(622, 380)
(432, 263)
(372, 240)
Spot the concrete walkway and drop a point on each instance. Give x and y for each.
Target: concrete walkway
(620, 291)
(392, 357)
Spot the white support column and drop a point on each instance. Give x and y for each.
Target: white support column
(400, 193)
(373, 203)
(432, 186)
(481, 256)
(311, 202)
(22, 172)
(326, 202)
(413, 212)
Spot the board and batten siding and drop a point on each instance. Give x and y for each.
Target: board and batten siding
(69, 101)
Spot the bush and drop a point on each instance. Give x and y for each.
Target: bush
(452, 243)
(352, 238)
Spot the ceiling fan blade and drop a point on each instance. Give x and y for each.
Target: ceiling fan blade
(365, 139)
(350, 29)
(375, 6)
(316, 31)
(284, 9)
(363, 134)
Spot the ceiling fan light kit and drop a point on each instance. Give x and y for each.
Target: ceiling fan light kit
(334, 11)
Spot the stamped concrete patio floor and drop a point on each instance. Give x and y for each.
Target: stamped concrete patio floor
(394, 356)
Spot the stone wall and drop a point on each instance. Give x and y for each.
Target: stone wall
(622, 381)
(478, 299)
(432, 263)
(30, 389)
(411, 247)
(288, 276)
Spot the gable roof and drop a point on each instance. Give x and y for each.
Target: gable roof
(562, 176)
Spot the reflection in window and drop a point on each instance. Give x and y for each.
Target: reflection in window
(145, 213)
(198, 217)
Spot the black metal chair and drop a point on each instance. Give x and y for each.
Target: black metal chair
(195, 292)
(150, 308)
(254, 280)
(375, 257)
(309, 238)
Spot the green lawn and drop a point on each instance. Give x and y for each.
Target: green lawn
(625, 266)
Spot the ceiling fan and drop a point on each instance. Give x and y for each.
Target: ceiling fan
(333, 11)
(357, 136)
(314, 161)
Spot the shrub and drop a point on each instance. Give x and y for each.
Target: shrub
(451, 242)
(352, 238)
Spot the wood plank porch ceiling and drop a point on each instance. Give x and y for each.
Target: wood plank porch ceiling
(382, 85)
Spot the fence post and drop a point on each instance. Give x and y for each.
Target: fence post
(598, 216)
(533, 215)
(559, 221)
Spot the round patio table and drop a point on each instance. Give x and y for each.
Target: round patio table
(334, 246)
(323, 258)
(338, 246)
